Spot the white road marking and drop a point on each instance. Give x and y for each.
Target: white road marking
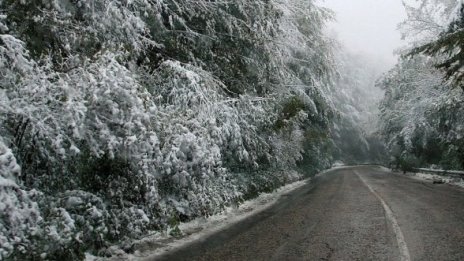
(404, 251)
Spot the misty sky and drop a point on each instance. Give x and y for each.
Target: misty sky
(369, 26)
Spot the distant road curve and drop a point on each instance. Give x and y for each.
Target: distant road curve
(353, 213)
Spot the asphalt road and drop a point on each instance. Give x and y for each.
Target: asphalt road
(357, 213)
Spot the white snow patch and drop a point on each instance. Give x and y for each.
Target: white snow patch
(157, 244)
(432, 177)
(338, 163)
(73, 202)
(385, 169)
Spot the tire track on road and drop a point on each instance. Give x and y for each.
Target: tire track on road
(403, 248)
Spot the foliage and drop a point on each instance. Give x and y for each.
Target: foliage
(127, 115)
(450, 44)
(421, 115)
(354, 130)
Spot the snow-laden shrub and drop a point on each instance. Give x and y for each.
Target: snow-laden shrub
(19, 214)
(121, 135)
(201, 128)
(421, 113)
(421, 116)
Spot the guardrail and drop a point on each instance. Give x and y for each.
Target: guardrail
(448, 173)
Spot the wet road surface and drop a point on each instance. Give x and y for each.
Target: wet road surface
(354, 213)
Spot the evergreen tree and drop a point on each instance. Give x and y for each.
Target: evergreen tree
(450, 46)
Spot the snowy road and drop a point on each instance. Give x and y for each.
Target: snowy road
(359, 213)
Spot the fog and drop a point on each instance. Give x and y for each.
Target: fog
(368, 27)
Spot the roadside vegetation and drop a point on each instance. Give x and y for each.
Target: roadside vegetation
(422, 114)
(120, 118)
(123, 117)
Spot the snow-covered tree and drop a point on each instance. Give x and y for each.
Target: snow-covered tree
(354, 129)
(127, 116)
(420, 117)
(414, 119)
(426, 19)
(450, 48)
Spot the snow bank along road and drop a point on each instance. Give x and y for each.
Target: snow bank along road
(353, 213)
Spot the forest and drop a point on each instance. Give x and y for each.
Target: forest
(422, 113)
(121, 117)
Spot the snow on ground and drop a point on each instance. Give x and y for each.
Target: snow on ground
(385, 169)
(433, 177)
(338, 163)
(160, 243)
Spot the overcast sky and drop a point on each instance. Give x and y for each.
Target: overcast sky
(368, 26)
